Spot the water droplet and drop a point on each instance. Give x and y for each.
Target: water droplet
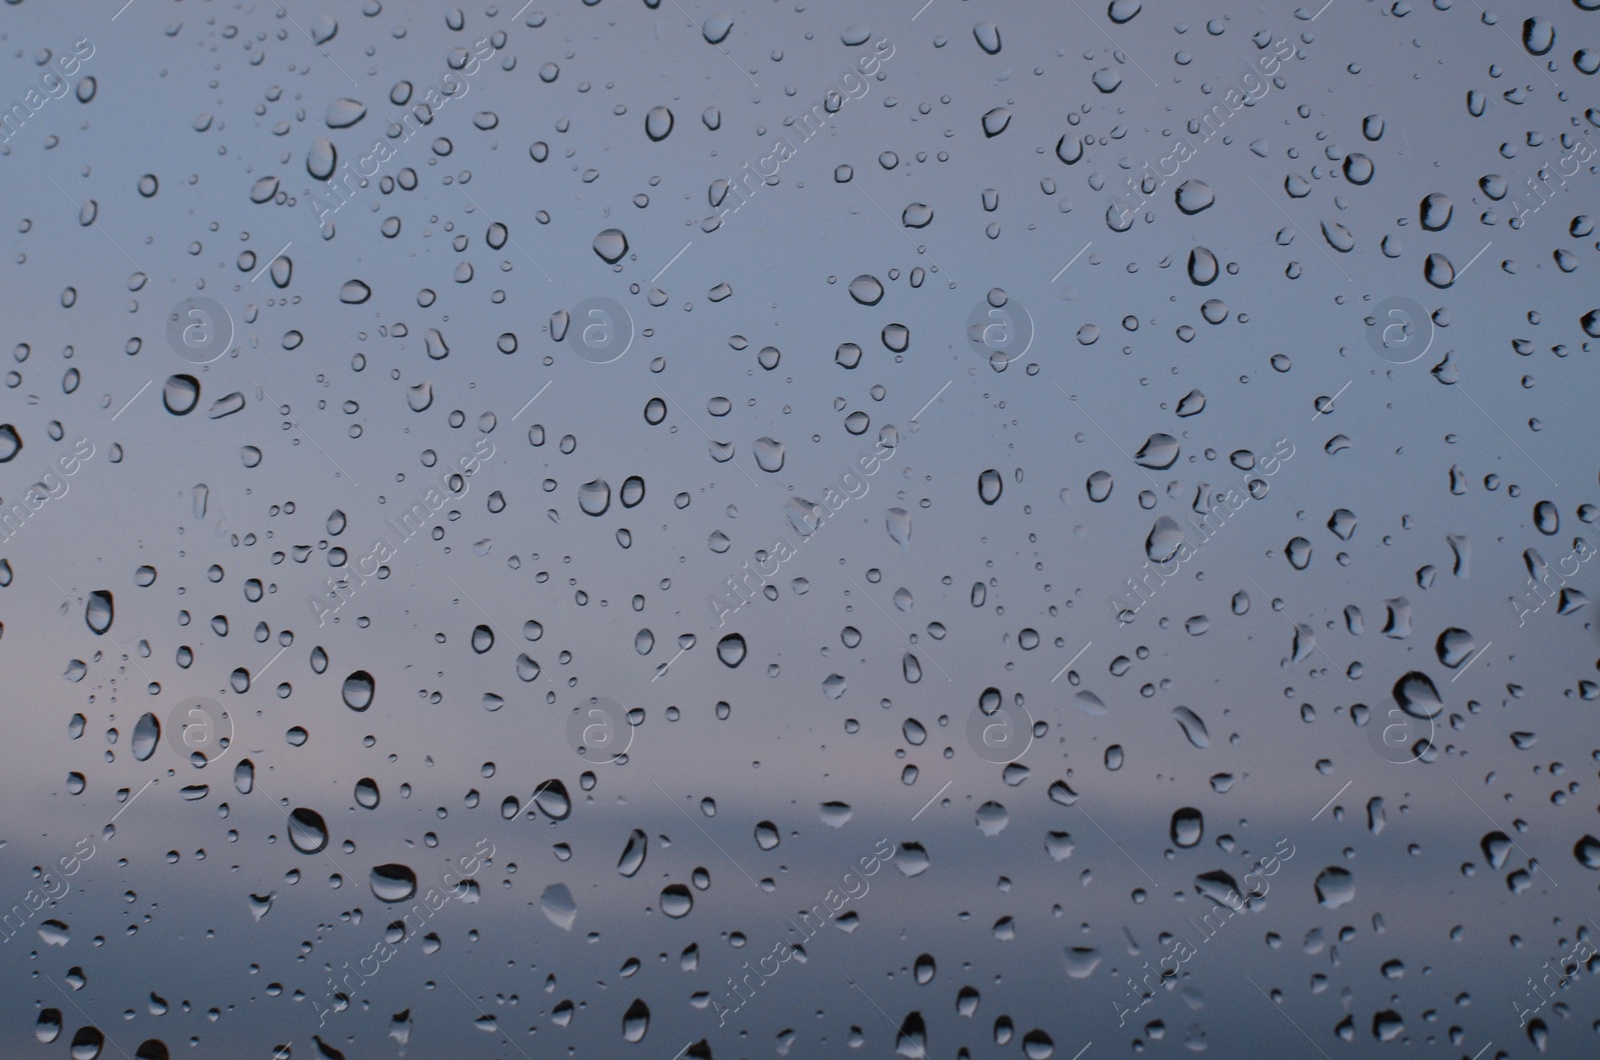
(146, 737)
(989, 486)
(1192, 726)
(657, 124)
(1416, 695)
(354, 292)
(99, 611)
(392, 883)
(992, 818)
(716, 28)
(676, 900)
(1166, 536)
(594, 497)
(1335, 886)
(358, 690)
(308, 832)
(1194, 195)
(558, 906)
(1159, 452)
(636, 1021)
(1187, 827)
(1436, 211)
(633, 854)
(611, 245)
(995, 121)
(181, 394)
(866, 290)
(367, 793)
(343, 113)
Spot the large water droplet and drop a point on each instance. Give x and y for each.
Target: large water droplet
(392, 883)
(343, 113)
(731, 650)
(611, 245)
(181, 394)
(99, 611)
(308, 832)
(636, 1021)
(866, 290)
(1187, 826)
(594, 497)
(1335, 886)
(358, 690)
(658, 123)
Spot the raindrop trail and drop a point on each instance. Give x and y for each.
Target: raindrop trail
(702, 430)
(313, 441)
(1071, 661)
(270, 260)
(920, 10)
(496, 1022)
(1113, 842)
(125, 7)
(282, 1051)
(1470, 661)
(136, 794)
(96, 224)
(532, 400)
(132, 400)
(936, 266)
(920, 1052)
(1510, 439)
(1291, 621)
(1085, 1049)
(1302, 231)
(703, 832)
(931, 801)
(1531, 860)
(1075, 257)
(1288, 1017)
(315, 45)
(685, 1049)
(75, 1005)
(892, 622)
(514, 18)
(513, 242)
(1481, 1051)
(1110, 439)
(107, 635)
(1114, 44)
(653, 279)
(1331, 401)
(1330, 801)
(719, 47)
(1320, 10)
